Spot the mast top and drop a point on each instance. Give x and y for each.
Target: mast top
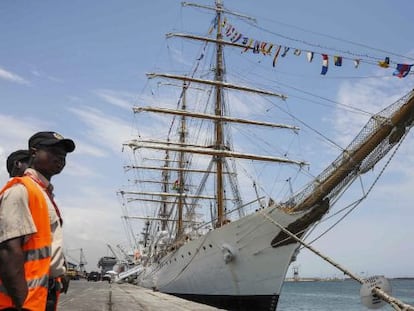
(219, 8)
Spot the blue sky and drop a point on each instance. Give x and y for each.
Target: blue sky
(77, 67)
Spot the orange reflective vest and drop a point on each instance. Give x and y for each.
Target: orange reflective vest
(37, 250)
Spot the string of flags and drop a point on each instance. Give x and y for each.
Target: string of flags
(268, 48)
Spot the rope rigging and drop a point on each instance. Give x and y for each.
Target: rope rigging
(355, 204)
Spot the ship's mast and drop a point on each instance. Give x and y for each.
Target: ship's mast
(219, 144)
(165, 179)
(219, 150)
(145, 233)
(181, 178)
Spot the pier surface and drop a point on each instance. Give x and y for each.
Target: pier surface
(102, 296)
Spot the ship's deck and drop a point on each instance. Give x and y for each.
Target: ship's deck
(102, 296)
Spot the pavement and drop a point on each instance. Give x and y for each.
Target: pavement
(103, 296)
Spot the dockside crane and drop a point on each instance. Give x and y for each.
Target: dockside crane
(81, 263)
(75, 267)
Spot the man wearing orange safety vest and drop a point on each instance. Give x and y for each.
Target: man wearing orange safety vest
(31, 246)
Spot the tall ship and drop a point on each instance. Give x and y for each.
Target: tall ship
(205, 170)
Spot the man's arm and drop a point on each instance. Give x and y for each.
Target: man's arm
(12, 270)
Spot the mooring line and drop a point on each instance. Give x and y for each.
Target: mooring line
(394, 302)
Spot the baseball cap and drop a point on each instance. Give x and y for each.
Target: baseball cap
(18, 155)
(49, 139)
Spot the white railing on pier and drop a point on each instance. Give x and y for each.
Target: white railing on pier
(123, 275)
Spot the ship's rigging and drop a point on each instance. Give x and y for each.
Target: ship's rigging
(197, 197)
(219, 150)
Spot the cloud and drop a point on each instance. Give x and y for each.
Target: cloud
(12, 139)
(48, 77)
(179, 58)
(86, 148)
(370, 95)
(91, 221)
(80, 171)
(12, 77)
(123, 100)
(102, 129)
(9, 135)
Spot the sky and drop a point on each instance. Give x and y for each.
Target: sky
(78, 67)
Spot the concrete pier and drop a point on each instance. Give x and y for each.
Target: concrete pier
(102, 296)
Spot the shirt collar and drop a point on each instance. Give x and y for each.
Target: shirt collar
(39, 176)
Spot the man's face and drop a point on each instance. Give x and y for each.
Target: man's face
(49, 160)
(18, 168)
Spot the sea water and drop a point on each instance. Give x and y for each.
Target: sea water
(336, 295)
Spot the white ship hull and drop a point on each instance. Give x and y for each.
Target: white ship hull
(251, 279)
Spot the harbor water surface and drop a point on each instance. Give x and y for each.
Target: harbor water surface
(336, 295)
